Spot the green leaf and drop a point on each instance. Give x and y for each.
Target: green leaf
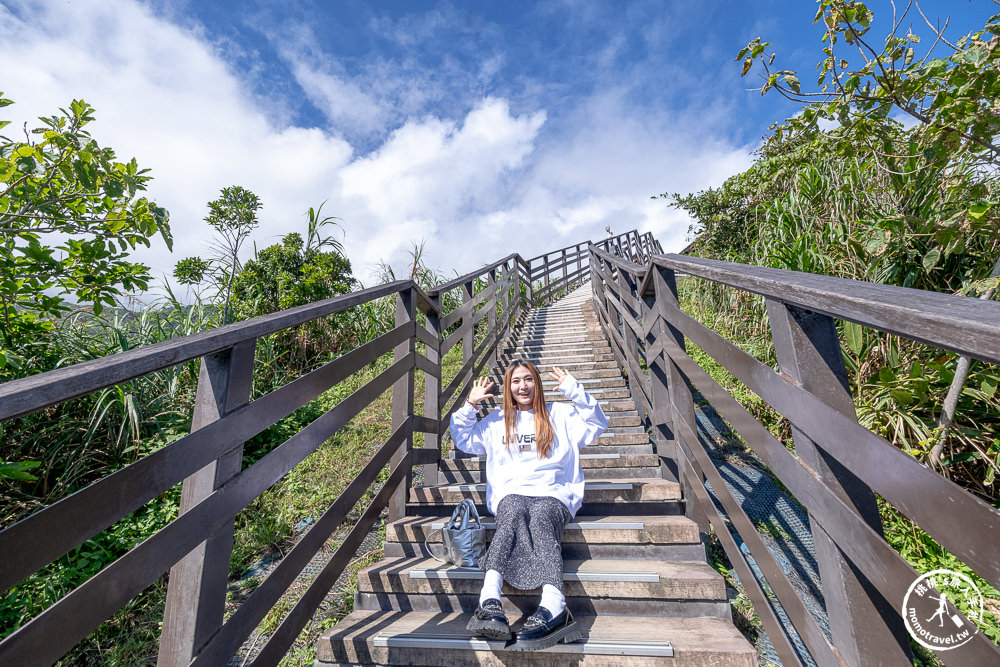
(988, 386)
(886, 375)
(792, 82)
(18, 470)
(878, 241)
(854, 337)
(960, 458)
(977, 211)
(747, 64)
(901, 396)
(931, 258)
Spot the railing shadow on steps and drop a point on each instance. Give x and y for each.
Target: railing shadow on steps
(838, 465)
(196, 546)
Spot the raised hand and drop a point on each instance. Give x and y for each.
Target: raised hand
(480, 390)
(558, 374)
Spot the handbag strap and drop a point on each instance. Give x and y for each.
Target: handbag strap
(473, 512)
(431, 551)
(460, 515)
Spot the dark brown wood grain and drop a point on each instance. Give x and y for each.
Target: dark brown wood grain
(19, 397)
(253, 609)
(53, 531)
(968, 326)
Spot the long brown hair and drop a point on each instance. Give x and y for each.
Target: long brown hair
(544, 435)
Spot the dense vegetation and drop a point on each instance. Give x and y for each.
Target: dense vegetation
(69, 213)
(844, 188)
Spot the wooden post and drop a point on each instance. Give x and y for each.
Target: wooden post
(491, 317)
(581, 248)
(402, 403)
(196, 594)
(600, 300)
(529, 290)
(861, 620)
(505, 280)
(565, 271)
(665, 285)
(545, 279)
(468, 340)
(432, 390)
(628, 284)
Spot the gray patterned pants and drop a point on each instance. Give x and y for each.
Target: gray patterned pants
(525, 548)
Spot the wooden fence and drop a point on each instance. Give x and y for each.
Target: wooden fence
(838, 466)
(196, 546)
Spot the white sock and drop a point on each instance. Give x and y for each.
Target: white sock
(553, 599)
(491, 586)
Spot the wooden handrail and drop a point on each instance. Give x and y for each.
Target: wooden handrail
(838, 466)
(967, 326)
(26, 395)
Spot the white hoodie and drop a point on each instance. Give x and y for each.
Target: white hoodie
(519, 470)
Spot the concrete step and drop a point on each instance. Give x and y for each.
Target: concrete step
(554, 340)
(556, 343)
(616, 437)
(646, 537)
(571, 361)
(639, 490)
(595, 467)
(621, 449)
(563, 322)
(559, 325)
(368, 637)
(567, 359)
(594, 586)
(558, 346)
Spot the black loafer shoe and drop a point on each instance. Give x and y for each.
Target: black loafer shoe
(489, 621)
(542, 631)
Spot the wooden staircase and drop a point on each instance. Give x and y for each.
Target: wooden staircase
(636, 577)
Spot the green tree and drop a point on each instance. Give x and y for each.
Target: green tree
(293, 274)
(233, 216)
(70, 214)
(952, 97)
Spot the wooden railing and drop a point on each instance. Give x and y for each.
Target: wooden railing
(838, 466)
(196, 546)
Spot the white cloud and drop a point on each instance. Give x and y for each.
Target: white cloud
(476, 188)
(164, 96)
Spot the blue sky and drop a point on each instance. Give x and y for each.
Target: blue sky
(482, 127)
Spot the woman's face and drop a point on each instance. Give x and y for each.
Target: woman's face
(522, 387)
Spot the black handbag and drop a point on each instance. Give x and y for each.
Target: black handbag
(463, 536)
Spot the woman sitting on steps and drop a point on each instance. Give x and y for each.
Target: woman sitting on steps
(534, 486)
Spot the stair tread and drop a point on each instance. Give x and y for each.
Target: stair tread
(613, 490)
(586, 461)
(598, 529)
(596, 484)
(617, 579)
(688, 638)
